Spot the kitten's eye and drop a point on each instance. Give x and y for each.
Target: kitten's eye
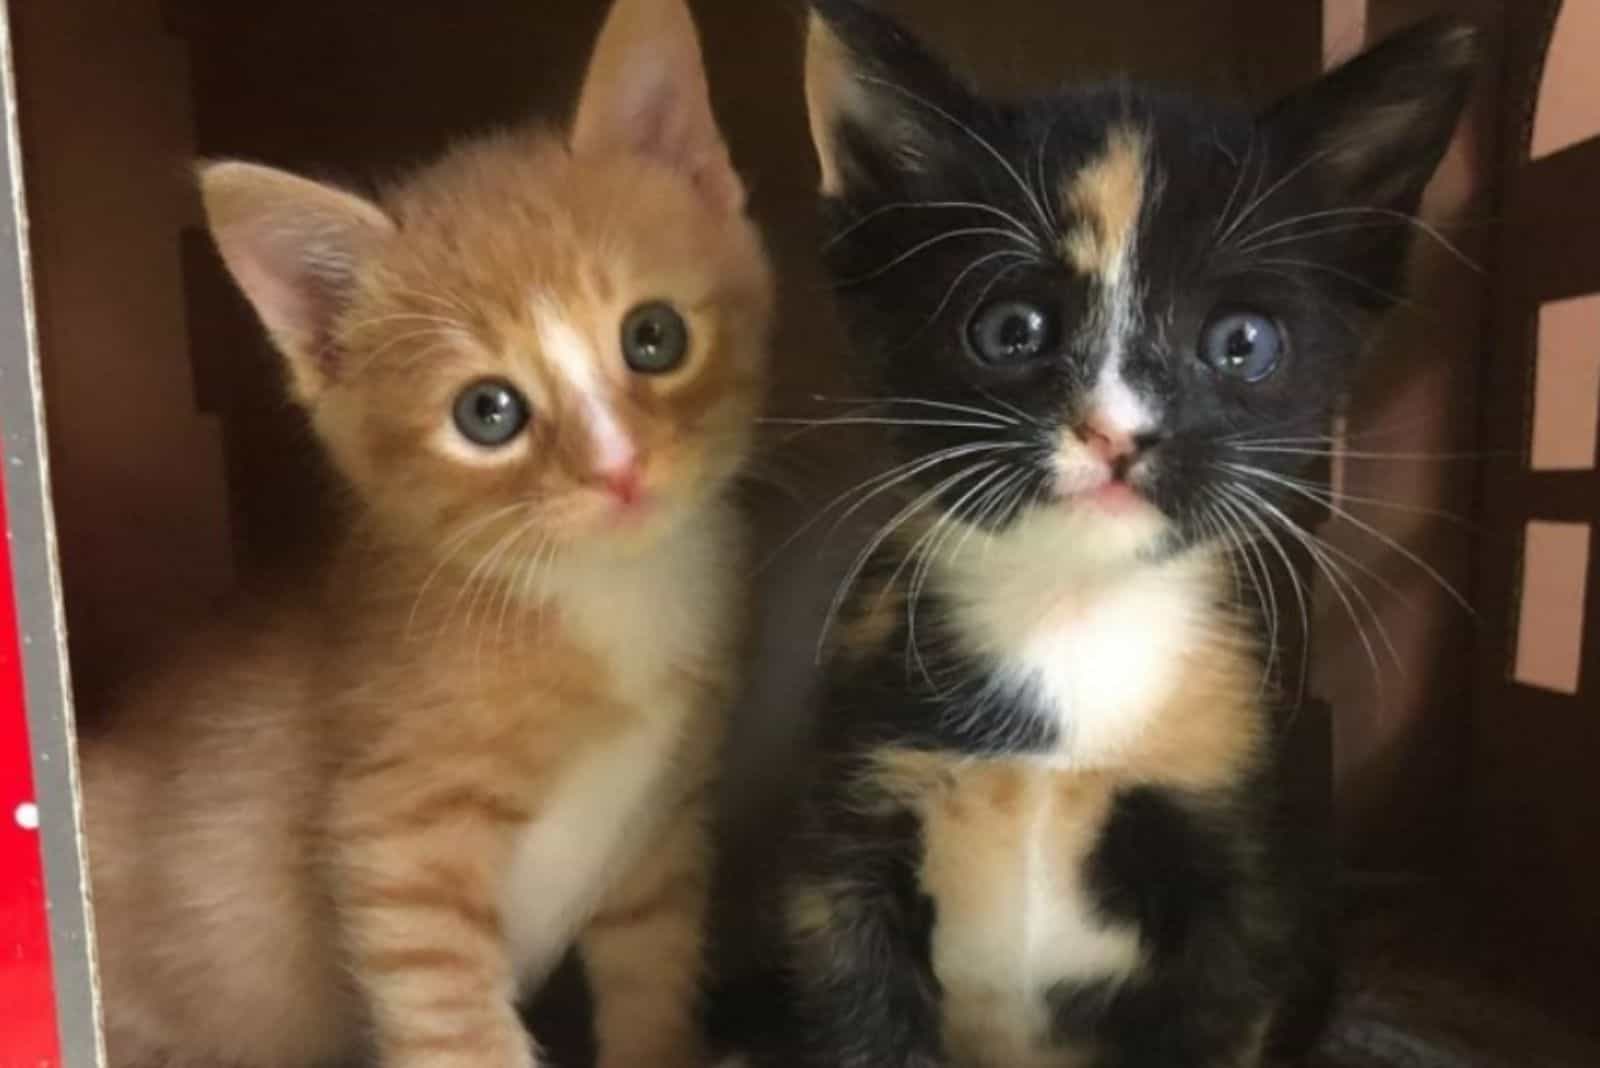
(1010, 331)
(655, 338)
(490, 413)
(1243, 345)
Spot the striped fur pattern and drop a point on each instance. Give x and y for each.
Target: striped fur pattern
(362, 820)
(1040, 837)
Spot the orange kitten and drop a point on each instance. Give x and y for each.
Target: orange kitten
(363, 821)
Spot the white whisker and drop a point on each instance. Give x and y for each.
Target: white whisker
(1253, 242)
(865, 555)
(1256, 204)
(982, 142)
(1019, 231)
(923, 401)
(921, 246)
(1371, 531)
(1340, 583)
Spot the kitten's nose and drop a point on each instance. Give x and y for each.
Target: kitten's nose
(1113, 444)
(625, 483)
(1107, 441)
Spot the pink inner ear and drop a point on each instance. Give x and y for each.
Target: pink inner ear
(656, 102)
(296, 287)
(719, 183)
(646, 92)
(674, 124)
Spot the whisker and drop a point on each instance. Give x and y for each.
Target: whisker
(361, 325)
(542, 563)
(921, 246)
(512, 587)
(1391, 427)
(444, 339)
(1243, 167)
(1039, 174)
(1022, 417)
(943, 456)
(1256, 204)
(486, 582)
(1265, 593)
(923, 401)
(1028, 194)
(1331, 498)
(878, 484)
(1345, 276)
(1387, 457)
(1022, 258)
(1378, 535)
(437, 299)
(877, 421)
(1019, 231)
(934, 539)
(1295, 580)
(992, 503)
(865, 555)
(1252, 242)
(999, 275)
(1211, 530)
(1338, 582)
(450, 548)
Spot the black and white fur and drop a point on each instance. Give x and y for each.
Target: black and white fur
(1099, 319)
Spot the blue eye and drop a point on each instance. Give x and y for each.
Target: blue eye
(1243, 345)
(1010, 331)
(490, 413)
(655, 339)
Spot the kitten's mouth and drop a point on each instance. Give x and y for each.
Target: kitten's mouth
(1115, 496)
(631, 511)
(1108, 492)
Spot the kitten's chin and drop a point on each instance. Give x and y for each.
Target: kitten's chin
(1113, 500)
(619, 532)
(1109, 527)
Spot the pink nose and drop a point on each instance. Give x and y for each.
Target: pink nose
(625, 483)
(1105, 441)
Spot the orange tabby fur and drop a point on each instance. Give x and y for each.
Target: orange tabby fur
(366, 817)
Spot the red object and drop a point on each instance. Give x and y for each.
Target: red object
(28, 1034)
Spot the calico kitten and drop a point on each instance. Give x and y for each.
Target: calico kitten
(361, 821)
(1039, 837)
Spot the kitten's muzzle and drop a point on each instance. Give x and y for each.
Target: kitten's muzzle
(1100, 463)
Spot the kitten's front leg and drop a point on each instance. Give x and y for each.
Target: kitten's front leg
(644, 950)
(416, 884)
(865, 1000)
(857, 927)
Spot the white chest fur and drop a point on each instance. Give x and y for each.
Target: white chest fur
(592, 827)
(1078, 626)
(643, 619)
(644, 616)
(1096, 645)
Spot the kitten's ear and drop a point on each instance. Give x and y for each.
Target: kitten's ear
(294, 246)
(1374, 130)
(879, 103)
(646, 93)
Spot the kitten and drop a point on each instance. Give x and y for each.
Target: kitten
(1100, 319)
(362, 821)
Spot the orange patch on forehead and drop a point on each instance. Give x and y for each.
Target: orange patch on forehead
(1104, 200)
